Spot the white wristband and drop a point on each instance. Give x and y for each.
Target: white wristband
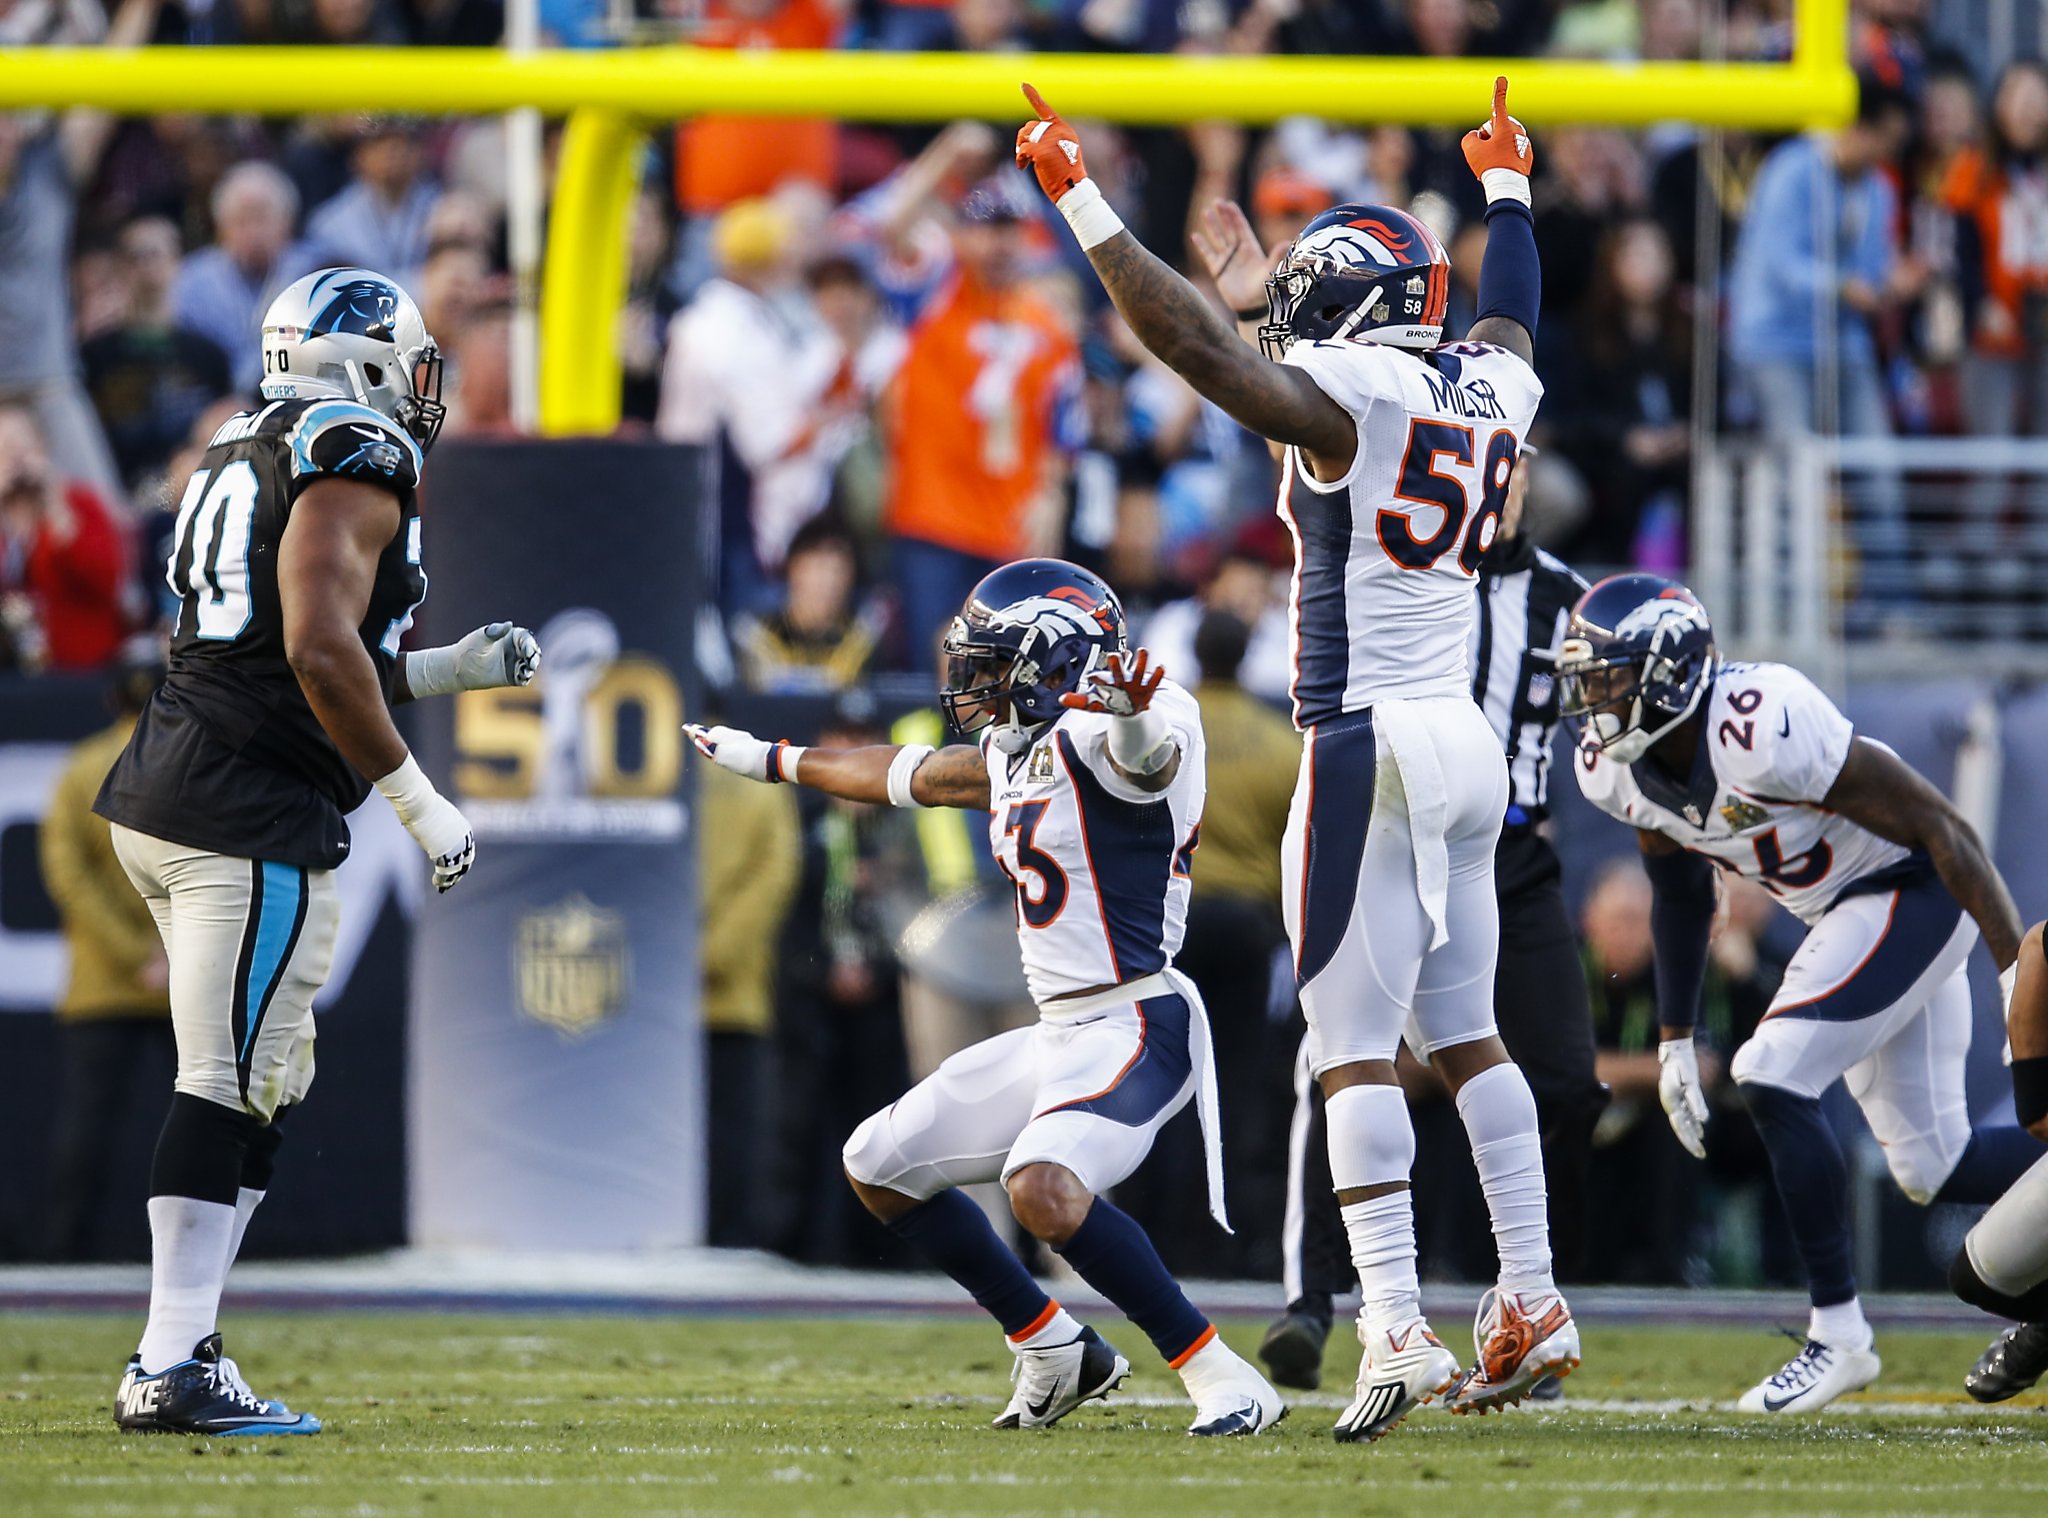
(901, 768)
(1140, 744)
(406, 788)
(1089, 214)
(782, 761)
(1504, 184)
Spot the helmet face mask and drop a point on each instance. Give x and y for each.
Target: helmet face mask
(1030, 632)
(1638, 659)
(354, 335)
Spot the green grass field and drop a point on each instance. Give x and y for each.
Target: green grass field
(440, 1415)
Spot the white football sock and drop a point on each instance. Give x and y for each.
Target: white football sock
(188, 1266)
(1382, 1235)
(246, 1203)
(1213, 1366)
(1840, 1326)
(1500, 1120)
(1061, 1328)
(1372, 1143)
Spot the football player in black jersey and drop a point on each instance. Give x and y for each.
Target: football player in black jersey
(296, 559)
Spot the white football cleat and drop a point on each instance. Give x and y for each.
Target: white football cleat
(1812, 1379)
(1231, 1397)
(1404, 1367)
(1520, 1337)
(1053, 1381)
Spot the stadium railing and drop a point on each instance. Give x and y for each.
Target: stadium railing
(1878, 557)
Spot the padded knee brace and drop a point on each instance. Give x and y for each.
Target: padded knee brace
(1372, 1141)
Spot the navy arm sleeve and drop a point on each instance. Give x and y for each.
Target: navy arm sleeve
(1510, 276)
(1681, 924)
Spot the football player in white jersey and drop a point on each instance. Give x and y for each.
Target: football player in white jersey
(1398, 453)
(1091, 770)
(1749, 767)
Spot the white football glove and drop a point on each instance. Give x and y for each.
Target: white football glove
(436, 823)
(495, 655)
(1684, 1098)
(731, 748)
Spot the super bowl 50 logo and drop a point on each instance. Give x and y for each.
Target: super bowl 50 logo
(593, 748)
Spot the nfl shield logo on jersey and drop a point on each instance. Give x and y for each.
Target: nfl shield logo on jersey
(572, 965)
(1741, 815)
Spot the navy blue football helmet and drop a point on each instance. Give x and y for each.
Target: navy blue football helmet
(1637, 660)
(1359, 271)
(1030, 632)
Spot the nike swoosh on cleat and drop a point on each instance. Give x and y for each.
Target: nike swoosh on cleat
(1040, 1409)
(1245, 1419)
(1782, 1403)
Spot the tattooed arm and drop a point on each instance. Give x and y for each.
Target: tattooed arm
(952, 776)
(1171, 318)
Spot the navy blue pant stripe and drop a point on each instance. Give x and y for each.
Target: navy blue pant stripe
(1923, 919)
(1153, 1076)
(1342, 771)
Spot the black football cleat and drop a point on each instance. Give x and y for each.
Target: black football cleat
(203, 1396)
(1293, 1347)
(2016, 1359)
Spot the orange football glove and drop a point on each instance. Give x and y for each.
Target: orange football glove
(1502, 143)
(1050, 149)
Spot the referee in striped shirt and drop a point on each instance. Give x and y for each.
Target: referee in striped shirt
(1525, 598)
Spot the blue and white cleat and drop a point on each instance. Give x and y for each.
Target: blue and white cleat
(1053, 1381)
(204, 1396)
(1231, 1398)
(1812, 1379)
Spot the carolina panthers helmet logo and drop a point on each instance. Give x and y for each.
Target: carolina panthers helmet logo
(360, 308)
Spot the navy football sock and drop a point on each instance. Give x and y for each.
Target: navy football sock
(1995, 1158)
(1111, 1253)
(1813, 1183)
(955, 1235)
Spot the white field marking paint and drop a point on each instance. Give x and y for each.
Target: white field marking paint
(1927, 1407)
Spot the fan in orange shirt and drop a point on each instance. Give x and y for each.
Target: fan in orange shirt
(977, 468)
(724, 159)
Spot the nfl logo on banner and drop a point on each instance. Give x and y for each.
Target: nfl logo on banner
(572, 965)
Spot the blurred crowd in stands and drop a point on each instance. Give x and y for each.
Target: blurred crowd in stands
(902, 372)
(900, 365)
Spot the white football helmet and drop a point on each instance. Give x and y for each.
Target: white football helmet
(354, 334)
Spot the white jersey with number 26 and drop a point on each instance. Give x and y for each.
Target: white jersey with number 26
(1101, 868)
(1384, 557)
(1772, 746)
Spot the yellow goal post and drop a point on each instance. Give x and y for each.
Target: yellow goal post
(611, 98)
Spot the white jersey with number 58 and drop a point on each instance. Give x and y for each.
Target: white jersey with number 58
(1384, 558)
(1771, 746)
